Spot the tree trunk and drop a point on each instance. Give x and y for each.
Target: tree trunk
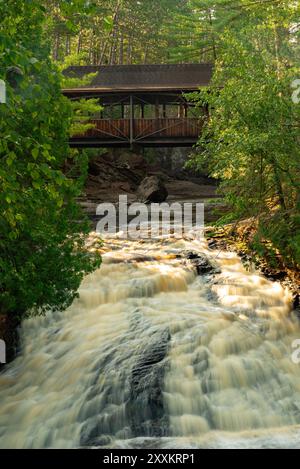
(56, 47)
(79, 43)
(68, 45)
(121, 54)
(91, 47)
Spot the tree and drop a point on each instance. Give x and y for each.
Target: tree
(111, 32)
(251, 141)
(198, 27)
(42, 255)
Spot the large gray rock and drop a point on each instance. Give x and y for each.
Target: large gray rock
(145, 409)
(152, 190)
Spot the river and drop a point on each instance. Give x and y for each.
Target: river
(153, 355)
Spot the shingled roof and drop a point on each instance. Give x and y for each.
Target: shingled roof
(144, 77)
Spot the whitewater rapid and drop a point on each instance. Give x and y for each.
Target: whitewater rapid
(153, 355)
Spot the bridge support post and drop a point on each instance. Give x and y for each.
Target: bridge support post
(164, 111)
(131, 138)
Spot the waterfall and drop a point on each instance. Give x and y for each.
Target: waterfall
(153, 355)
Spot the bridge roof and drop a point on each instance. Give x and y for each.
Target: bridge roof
(141, 78)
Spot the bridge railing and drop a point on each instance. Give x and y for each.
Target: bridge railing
(136, 130)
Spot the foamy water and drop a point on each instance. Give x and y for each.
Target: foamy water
(154, 356)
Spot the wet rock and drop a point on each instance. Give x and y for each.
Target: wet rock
(212, 244)
(297, 313)
(212, 296)
(140, 388)
(274, 275)
(88, 435)
(152, 190)
(145, 409)
(102, 442)
(217, 244)
(296, 300)
(202, 264)
(131, 161)
(192, 255)
(99, 412)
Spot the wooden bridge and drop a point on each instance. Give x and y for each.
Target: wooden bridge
(143, 105)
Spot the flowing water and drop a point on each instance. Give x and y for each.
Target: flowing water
(153, 355)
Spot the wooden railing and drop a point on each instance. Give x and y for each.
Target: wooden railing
(140, 129)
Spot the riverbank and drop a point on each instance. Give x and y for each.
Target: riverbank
(238, 238)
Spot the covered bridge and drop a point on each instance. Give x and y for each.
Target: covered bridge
(142, 104)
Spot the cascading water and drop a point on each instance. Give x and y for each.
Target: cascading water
(152, 355)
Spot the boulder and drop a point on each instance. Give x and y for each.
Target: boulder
(132, 161)
(202, 264)
(152, 190)
(145, 409)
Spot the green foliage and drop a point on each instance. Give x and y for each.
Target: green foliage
(83, 110)
(251, 141)
(114, 31)
(42, 255)
(197, 38)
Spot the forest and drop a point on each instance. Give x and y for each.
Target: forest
(249, 145)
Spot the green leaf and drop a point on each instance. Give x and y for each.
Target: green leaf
(11, 158)
(35, 152)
